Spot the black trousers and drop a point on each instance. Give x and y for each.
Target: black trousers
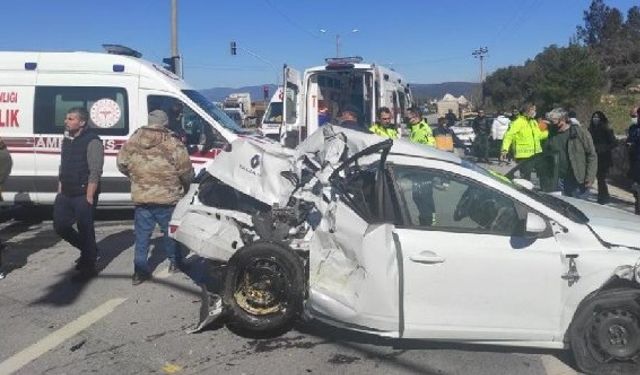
(76, 210)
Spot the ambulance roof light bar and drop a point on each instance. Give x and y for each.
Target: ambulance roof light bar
(342, 61)
(118, 49)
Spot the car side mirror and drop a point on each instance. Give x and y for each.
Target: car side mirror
(535, 225)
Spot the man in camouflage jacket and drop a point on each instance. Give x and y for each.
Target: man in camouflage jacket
(158, 165)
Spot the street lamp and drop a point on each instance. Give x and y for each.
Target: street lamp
(324, 31)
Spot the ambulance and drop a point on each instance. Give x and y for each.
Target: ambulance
(272, 118)
(321, 92)
(118, 89)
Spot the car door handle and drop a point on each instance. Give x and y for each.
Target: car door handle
(427, 257)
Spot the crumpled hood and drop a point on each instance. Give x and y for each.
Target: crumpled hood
(612, 225)
(150, 136)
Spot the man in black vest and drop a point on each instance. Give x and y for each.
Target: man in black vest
(82, 158)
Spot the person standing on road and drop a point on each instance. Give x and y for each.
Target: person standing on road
(5, 170)
(499, 127)
(633, 143)
(444, 136)
(419, 129)
(604, 141)
(450, 118)
(384, 127)
(81, 162)
(525, 136)
(160, 171)
(482, 129)
(577, 158)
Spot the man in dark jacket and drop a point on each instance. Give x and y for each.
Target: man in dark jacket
(82, 158)
(604, 141)
(633, 143)
(482, 129)
(577, 159)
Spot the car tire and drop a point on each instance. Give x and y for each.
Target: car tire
(605, 333)
(264, 289)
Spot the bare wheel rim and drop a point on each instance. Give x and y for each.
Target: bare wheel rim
(614, 335)
(261, 287)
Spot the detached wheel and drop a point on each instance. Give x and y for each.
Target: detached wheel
(264, 289)
(605, 333)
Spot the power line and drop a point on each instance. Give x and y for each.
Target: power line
(290, 20)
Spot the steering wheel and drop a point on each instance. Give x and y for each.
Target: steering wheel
(464, 205)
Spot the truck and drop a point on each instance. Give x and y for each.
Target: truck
(238, 107)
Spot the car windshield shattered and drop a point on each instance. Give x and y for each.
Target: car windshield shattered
(213, 111)
(549, 200)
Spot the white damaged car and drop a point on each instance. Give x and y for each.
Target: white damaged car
(404, 241)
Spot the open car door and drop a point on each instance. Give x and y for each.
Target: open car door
(354, 277)
(291, 129)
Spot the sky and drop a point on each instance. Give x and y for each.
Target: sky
(426, 41)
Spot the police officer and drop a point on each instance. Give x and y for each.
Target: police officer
(419, 129)
(384, 127)
(525, 136)
(81, 162)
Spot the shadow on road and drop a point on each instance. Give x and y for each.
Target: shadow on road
(65, 292)
(369, 346)
(16, 254)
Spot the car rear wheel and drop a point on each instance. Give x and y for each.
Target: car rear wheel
(605, 333)
(264, 289)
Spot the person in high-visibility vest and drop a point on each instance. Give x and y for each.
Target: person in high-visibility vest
(419, 129)
(525, 136)
(384, 127)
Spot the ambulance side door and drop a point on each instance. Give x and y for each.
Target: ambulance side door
(109, 99)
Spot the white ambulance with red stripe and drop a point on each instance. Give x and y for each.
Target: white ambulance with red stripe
(119, 90)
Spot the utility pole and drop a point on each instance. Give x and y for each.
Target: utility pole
(480, 53)
(338, 39)
(175, 56)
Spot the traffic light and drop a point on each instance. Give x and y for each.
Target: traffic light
(234, 49)
(170, 64)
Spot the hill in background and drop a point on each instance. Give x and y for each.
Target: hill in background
(421, 91)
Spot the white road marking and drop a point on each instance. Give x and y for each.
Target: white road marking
(554, 366)
(19, 360)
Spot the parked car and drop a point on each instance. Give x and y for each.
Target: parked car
(402, 240)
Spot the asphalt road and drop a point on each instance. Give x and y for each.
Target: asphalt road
(50, 325)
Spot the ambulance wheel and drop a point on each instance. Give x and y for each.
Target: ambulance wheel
(605, 333)
(264, 289)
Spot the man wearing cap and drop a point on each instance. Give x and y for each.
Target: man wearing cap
(160, 171)
(419, 129)
(577, 159)
(81, 162)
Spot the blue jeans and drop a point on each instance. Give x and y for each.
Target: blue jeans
(146, 217)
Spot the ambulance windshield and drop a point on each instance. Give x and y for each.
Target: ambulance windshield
(214, 111)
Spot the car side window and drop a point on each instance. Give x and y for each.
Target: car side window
(440, 201)
(107, 106)
(196, 133)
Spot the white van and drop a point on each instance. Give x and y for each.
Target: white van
(340, 82)
(272, 118)
(37, 89)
